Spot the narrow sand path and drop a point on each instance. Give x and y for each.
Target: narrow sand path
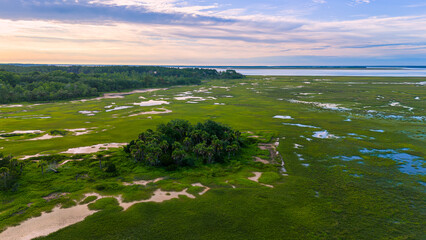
(69, 160)
(274, 153)
(143, 182)
(256, 177)
(201, 185)
(258, 159)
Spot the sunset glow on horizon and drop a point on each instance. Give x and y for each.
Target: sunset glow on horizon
(173, 32)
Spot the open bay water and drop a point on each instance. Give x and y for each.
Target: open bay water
(367, 72)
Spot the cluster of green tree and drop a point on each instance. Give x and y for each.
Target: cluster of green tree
(47, 83)
(179, 143)
(10, 170)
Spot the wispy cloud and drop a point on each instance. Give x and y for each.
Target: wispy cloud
(362, 1)
(86, 11)
(178, 32)
(417, 5)
(319, 1)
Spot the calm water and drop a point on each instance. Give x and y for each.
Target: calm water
(335, 72)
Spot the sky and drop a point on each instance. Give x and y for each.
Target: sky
(208, 32)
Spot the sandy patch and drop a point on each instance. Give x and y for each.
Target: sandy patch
(254, 136)
(158, 196)
(143, 182)
(258, 159)
(190, 98)
(120, 95)
(88, 113)
(94, 148)
(202, 90)
(298, 146)
(69, 160)
(80, 131)
(47, 223)
(222, 87)
(274, 153)
(151, 103)
(25, 132)
(201, 185)
(256, 177)
(60, 218)
(45, 137)
(271, 147)
(11, 106)
(163, 111)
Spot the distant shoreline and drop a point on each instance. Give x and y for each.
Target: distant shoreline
(348, 67)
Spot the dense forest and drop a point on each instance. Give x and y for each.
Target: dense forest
(48, 83)
(178, 143)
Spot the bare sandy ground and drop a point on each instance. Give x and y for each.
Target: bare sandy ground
(45, 137)
(151, 103)
(80, 131)
(59, 218)
(258, 159)
(143, 182)
(47, 223)
(201, 185)
(256, 177)
(24, 132)
(163, 111)
(69, 160)
(159, 196)
(274, 153)
(94, 148)
(82, 150)
(120, 95)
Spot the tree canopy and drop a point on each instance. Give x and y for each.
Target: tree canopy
(48, 83)
(10, 170)
(180, 143)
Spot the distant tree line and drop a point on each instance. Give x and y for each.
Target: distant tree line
(179, 143)
(48, 83)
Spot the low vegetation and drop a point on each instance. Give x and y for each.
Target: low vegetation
(355, 184)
